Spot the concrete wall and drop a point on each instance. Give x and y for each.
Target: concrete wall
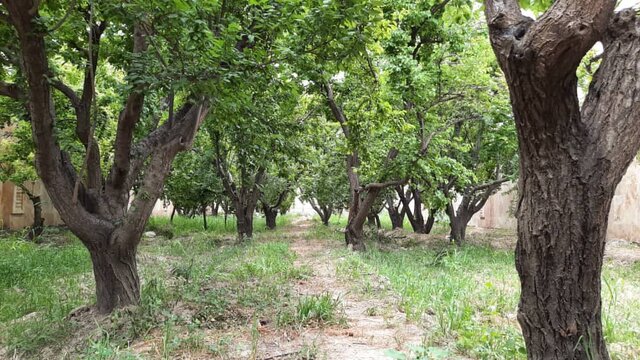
(12, 218)
(624, 218)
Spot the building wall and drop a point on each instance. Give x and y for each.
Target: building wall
(624, 218)
(16, 209)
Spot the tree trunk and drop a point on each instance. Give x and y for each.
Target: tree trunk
(572, 158)
(418, 224)
(396, 217)
(215, 209)
(38, 221)
(204, 216)
(371, 220)
(431, 220)
(270, 216)
(173, 213)
(458, 224)
(116, 274)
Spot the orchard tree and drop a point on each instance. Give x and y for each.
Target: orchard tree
(323, 182)
(427, 38)
(192, 188)
(260, 130)
(572, 157)
(276, 195)
(201, 42)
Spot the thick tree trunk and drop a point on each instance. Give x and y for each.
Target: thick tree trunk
(244, 222)
(569, 218)
(571, 159)
(116, 274)
(38, 221)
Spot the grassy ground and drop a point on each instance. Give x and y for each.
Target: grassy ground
(204, 296)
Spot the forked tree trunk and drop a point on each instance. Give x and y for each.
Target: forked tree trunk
(92, 204)
(324, 211)
(571, 160)
(395, 215)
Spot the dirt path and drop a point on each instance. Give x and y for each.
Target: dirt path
(372, 325)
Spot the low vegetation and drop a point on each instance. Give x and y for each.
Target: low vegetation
(205, 295)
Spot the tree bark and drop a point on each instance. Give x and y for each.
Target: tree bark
(38, 221)
(395, 214)
(458, 220)
(116, 275)
(571, 160)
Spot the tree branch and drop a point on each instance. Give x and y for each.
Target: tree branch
(129, 117)
(11, 90)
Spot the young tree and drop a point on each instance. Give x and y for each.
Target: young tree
(260, 130)
(572, 157)
(323, 182)
(139, 38)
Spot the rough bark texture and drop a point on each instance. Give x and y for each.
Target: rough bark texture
(571, 160)
(116, 275)
(96, 207)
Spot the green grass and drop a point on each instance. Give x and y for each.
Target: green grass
(467, 298)
(197, 282)
(216, 225)
(43, 284)
(220, 282)
(440, 227)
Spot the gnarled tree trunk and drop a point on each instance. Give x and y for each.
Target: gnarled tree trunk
(96, 207)
(571, 160)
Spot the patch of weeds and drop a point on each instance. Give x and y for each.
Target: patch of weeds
(315, 310)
